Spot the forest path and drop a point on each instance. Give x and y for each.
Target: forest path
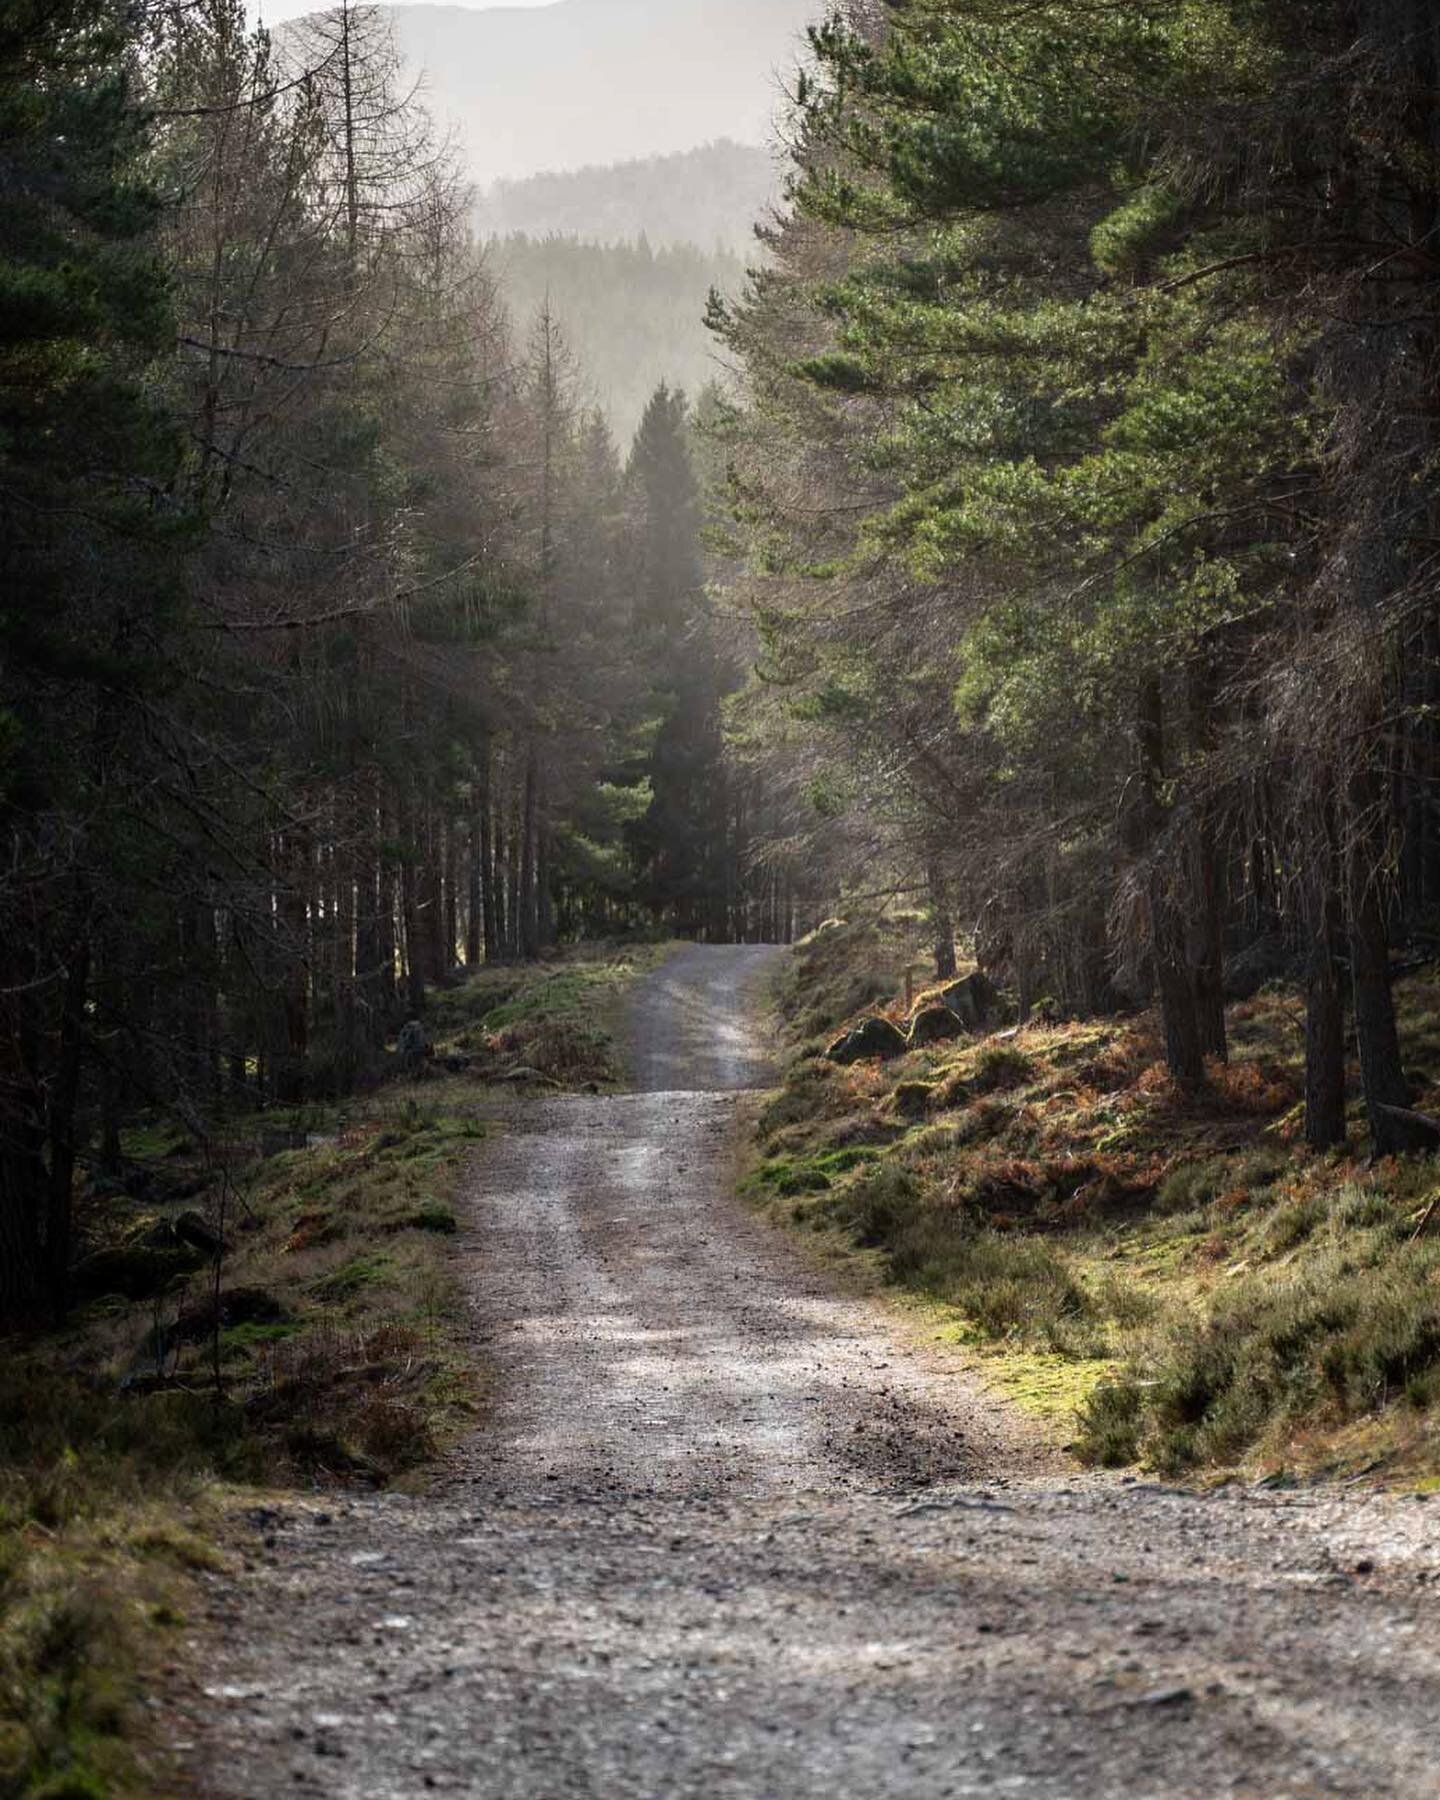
(728, 1533)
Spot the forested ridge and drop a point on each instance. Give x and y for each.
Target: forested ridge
(341, 646)
(707, 200)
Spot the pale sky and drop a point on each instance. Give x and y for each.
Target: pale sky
(275, 12)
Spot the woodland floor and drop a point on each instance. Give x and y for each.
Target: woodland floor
(730, 1530)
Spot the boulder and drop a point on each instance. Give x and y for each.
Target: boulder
(872, 1037)
(973, 997)
(194, 1229)
(912, 1099)
(137, 1271)
(935, 1025)
(1270, 958)
(238, 1306)
(413, 1046)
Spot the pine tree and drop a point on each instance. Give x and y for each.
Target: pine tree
(88, 534)
(680, 844)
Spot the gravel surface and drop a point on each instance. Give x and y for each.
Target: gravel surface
(729, 1533)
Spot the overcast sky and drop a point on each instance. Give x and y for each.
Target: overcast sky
(273, 12)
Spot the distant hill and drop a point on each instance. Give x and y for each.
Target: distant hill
(600, 81)
(632, 315)
(711, 197)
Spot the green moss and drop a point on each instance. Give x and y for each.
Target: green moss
(352, 1278)
(787, 1176)
(241, 1340)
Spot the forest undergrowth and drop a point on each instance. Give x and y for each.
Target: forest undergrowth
(1171, 1281)
(327, 1347)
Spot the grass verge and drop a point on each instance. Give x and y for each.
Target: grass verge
(329, 1346)
(1179, 1279)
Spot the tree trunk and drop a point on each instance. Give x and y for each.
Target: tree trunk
(942, 923)
(489, 872)
(450, 919)
(544, 890)
(291, 909)
(1381, 1069)
(1325, 1027)
(476, 881)
(430, 901)
(1207, 942)
(529, 906)
(64, 1095)
(1184, 1045)
(22, 1158)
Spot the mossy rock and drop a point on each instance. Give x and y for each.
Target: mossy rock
(136, 1271)
(973, 997)
(912, 1099)
(1002, 1066)
(935, 1025)
(872, 1037)
(237, 1306)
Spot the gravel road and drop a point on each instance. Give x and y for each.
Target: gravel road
(728, 1534)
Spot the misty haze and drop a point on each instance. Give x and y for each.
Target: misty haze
(720, 903)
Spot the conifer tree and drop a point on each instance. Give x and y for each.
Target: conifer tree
(89, 537)
(680, 843)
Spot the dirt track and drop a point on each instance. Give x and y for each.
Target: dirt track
(726, 1534)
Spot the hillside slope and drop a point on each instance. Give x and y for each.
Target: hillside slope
(712, 196)
(1175, 1278)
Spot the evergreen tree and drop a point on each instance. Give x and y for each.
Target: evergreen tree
(680, 843)
(88, 528)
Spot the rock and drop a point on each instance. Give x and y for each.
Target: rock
(935, 1025)
(1268, 959)
(194, 1229)
(912, 1098)
(973, 997)
(1169, 1696)
(413, 1046)
(872, 1037)
(238, 1306)
(137, 1271)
